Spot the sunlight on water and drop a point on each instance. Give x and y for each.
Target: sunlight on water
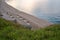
(46, 9)
(27, 5)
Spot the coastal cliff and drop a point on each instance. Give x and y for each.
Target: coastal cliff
(11, 13)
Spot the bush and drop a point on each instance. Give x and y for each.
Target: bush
(13, 31)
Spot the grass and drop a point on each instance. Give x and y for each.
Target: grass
(14, 31)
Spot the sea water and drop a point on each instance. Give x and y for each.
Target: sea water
(45, 9)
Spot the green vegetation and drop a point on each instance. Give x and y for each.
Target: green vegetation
(14, 31)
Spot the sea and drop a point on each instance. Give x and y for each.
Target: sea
(43, 9)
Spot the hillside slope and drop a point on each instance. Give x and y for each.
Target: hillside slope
(14, 31)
